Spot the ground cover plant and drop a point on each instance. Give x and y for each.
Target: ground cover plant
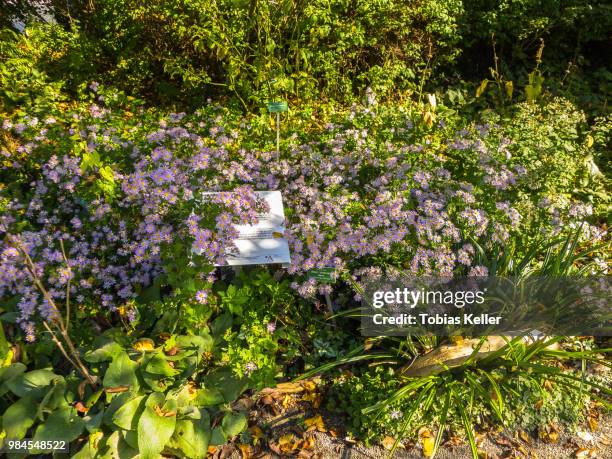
(121, 334)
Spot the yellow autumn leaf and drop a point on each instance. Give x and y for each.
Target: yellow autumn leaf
(245, 450)
(315, 423)
(428, 445)
(509, 89)
(144, 344)
(482, 87)
(388, 443)
(592, 423)
(589, 141)
(310, 386)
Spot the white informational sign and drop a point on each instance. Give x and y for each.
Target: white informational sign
(263, 243)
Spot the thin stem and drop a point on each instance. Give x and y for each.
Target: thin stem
(67, 285)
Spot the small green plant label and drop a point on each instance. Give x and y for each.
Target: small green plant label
(324, 275)
(277, 107)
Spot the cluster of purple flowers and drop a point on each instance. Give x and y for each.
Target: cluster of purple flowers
(186, 180)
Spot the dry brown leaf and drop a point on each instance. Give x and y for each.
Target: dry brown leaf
(80, 407)
(288, 401)
(479, 438)
(538, 405)
(583, 453)
(315, 423)
(288, 442)
(117, 389)
(290, 388)
(256, 434)
(454, 440)
(548, 385)
(81, 388)
(309, 442)
(388, 443)
(246, 451)
(309, 385)
(549, 434)
(524, 436)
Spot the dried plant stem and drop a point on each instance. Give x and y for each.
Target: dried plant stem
(61, 325)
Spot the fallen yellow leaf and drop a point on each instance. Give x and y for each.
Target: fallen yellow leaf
(315, 423)
(388, 443)
(428, 446)
(144, 344)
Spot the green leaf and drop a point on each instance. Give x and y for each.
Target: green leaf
(159, 366)
(93, 421)
(200, 343)
(117, 402)
(19, 417)
(209, 397)
(64, 424)
(233, 424)
(127, 416)
(154, 430)
(33, 382)
(8, 373)
(104, 353)
(217, 436)
(228, 384)
(115, 447)
(192, 436)
(121, 372)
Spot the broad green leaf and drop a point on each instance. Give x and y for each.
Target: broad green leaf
(218, 437)
(209, 397)
(127, 416)
(233, 424)
(19, 417)
(121, 372)
(33, 382)
(117, 402)
(199, 343)
(64, 423)
(159, 366)
(115, 447)
(93, 421)
(8, 373)
(230, 385)
(104, 353)
(192, 436)
(155, 426)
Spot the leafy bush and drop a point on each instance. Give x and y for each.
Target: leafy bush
(151, 399)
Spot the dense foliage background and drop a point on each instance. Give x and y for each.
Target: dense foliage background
(435, 137)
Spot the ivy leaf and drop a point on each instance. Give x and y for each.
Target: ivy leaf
(155, 426)
(127, 416)
(121, 372)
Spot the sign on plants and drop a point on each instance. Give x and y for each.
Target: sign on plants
(325, 275)
(262, 243)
